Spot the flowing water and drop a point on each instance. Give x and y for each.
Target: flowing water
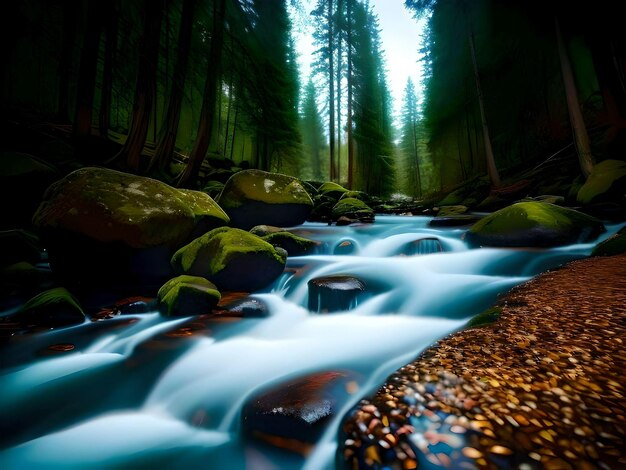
(141, 391)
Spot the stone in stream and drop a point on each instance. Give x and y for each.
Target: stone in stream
(255, 197)
(106, 227)
(292, 244)
(460, 220)
(262, 230)
(614, 245)
(607, 182)
(446, 211)
(534, 224)
(353, 209)
(331, 190)
(247, 307)
(233, 259)
(53, 308)
(345, 247)
(187, 295)
(422, 246)
(334, 293)
(293, 415)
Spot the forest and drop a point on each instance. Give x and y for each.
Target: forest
(217, 251)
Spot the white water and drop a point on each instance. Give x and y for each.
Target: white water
(81, 410)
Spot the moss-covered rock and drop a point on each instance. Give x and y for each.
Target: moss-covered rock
(447, 211)
(607, 182)
(187, 295)
(614, 245)
(332, 190)
(54, 307)
(534, 224)
(353, 209)
(106, 227)
(292, 244)
(231, 258)
(262, 230)
(356, 195)
(255, 197)
(485, 318)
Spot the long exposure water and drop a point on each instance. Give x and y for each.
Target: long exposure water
(142, 391)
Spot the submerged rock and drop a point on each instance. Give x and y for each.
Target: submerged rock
(52, 308)
(607, 182)
(614, 245)
(187, 295)
(353, 209)
(292, 244)
(423, 246)
(103, 226)
(334, 293)
(248, 307)
(255, 197)
(534, 224)
(231, 258)
(294, 414)
(345, 247)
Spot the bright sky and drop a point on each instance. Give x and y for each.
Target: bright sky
(401, 38)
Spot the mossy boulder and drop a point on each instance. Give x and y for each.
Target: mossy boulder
(447, 211)
(607, 182)
(292, 244)
(231, 258)
(356, 195)
(534, 224)
(106, 226)
(262, 230)
(614, 245)
(353, 209)
(255, 197)
(52, 308)
(332, 190)
(187, 295)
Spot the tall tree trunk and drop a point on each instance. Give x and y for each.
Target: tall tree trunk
(331, 92)
(581, 138)
(339, 67)
(489, 158)
(416, 158)
(146, 84)
(230, 102)
(207, 115)
(88, 70)
(110, 46)
(349, 118)
(70, 17)
(232, 139)
(167, 139)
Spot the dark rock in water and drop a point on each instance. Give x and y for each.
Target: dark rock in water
(292, 244)
(231, 258)
(322, 212)
(423, 246)
(103, 226)
(248, 308)
(353, 209)
(293, 415)
(447, 211)
(334, 293)
(52, 308)
(534, 224)
(255, 197)
(345, 247)
(262, 230)
(454, 220)
(187, 295)
(614, 245)
(607, 182)
(343, 221)
(23, 181)
(19, 246)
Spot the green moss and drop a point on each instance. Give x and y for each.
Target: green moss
(350, 206)
(447, 211)
(485, 318)
(614, 245)
(601, 182)
(331, 189)
(293, 244)
(210, 253)
(356, 195)
(187, 295)
(203, 207)
(527, 215)
(262, 186)
(53, 307)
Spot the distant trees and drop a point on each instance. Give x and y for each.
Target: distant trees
(409, 142)
(313, 139)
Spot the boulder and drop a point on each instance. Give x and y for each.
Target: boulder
(345, 247)
(322, 212)
(295, 413)
(422, 246)
(356, 195)
(614, 245)
(454, 220)
(104, 226)
(262, 230)
(255, 197)
(534, 224)
(292, 244)
(607, 182)
(187, 295)
(334, 293)
(231, 258)
(343, 221)
(446, 211)
(52, 308)
(332, 190)
(353, 209)
(248, 307)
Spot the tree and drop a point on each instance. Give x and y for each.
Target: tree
(409, 141)
(312, 131)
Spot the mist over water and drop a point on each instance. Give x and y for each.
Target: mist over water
(134, 397)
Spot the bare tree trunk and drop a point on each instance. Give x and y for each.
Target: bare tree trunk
(110, 46)
(230, 102)
(489, 158)
(416, 158)
(207, 115)
(167, 139)
(88, 70)
(581, 138)
(349, 118)
(331, 92)
(146, 84)
(339, 67)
